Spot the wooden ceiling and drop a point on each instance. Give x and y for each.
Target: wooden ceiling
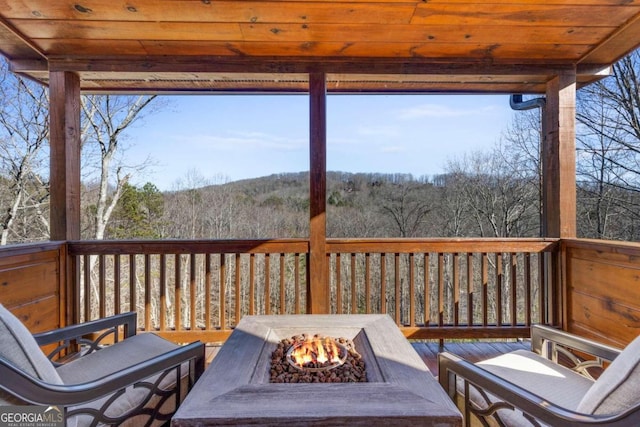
(501, 46)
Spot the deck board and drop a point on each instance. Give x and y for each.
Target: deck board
(428, 351)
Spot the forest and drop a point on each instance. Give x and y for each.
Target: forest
(493, 193)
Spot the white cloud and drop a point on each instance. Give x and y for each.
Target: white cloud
(383, 131)
(439, 111)
(238, 140)
(393, 149)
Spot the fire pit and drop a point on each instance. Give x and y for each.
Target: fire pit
(236, 389)
(316, 359)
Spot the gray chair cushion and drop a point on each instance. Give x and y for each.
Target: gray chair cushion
(618, 388)
(126, 353)
(18, 347)
(540, 376)
(534, 373)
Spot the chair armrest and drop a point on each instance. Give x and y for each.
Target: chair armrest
(451, 366)
(75, 333)
(35, 391)
(128, 320)
(544, 337)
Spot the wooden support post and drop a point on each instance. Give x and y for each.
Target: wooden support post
(559, 183)
(64, 140)
(559, 158)
(318, 286)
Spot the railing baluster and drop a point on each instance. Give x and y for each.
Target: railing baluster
(102, 286)
(297, 282)
(163, 292)
(396, 263)
(238, 267)
(456, 289)
(514, 289)
(367, 283)
(223, 292)
(87, 287)
(470, 288)
(252, 284)
(207, 291)
(541, 290)
(133, 276)
(283, 304)
(440, 289)
(147, 292)
(338, 278)
(383, 283)
(354, 296)
(267, 284)
(192, 292)
(527, 288)
(177, 292)
(485, 288)
(116, 284)
(499, 283)
(412, 291)
(427, 291)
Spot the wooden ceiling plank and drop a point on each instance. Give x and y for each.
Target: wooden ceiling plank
(471, 51)
(106, 30)
(308, 32)
(423, 33)
(215, 11)
(551, 2)
(527, 15)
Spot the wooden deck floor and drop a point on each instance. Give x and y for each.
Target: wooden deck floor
(428, 351)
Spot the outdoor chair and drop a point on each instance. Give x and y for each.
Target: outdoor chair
(136, 381)
(535, 388)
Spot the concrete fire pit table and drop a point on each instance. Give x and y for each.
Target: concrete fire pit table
(235, 389)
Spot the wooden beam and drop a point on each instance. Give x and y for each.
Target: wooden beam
(64, 97)
(559, 158)
(280, 64)
(318, 292)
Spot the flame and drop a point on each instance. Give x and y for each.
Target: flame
(320, 350)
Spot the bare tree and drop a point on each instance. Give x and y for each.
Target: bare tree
(407, 205)
(502, 202)
(24, 134)
(609, 153)
(106, 118)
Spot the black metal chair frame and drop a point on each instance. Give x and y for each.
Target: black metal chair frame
(549, 343)
(35, 391)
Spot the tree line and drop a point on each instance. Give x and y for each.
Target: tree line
(492, 193)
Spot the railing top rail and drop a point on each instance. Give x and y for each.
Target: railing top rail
(373, 245)
(27, 248)
(126, 247)
(457, 245)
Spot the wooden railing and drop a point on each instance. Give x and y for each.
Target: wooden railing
(439, 288)
(433, 288)
(190, 290)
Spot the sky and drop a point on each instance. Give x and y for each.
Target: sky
(222, 138)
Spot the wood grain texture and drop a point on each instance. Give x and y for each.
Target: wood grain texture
(32, 285)
(498, 33)
(603, 290)
(317, 297)
(64, 140)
